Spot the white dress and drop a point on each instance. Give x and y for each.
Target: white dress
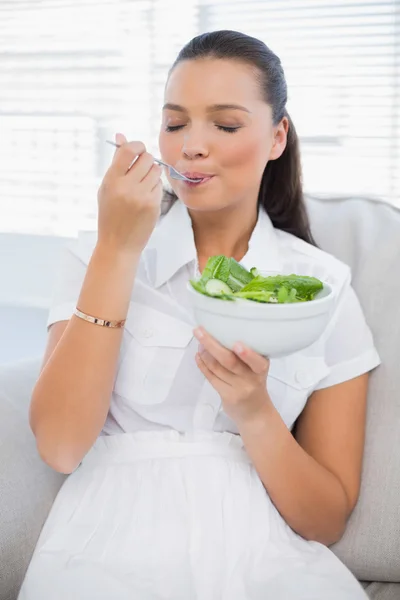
(167, 505)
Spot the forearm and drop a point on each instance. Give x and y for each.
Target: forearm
(71, 398)
(308, 496)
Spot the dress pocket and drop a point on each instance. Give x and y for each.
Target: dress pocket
(153, 352)
(291, 380)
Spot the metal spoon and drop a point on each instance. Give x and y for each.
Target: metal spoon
(173, 172)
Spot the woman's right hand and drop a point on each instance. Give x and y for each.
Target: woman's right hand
(129, 202)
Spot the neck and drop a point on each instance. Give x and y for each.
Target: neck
(225, 232)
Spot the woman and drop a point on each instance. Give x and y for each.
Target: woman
(219, 474)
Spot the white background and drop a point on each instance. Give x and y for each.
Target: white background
(73, 72)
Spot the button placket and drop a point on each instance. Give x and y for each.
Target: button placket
(207, 408)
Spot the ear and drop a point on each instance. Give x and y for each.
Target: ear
(280, 139)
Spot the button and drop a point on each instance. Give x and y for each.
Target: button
(304, 378)
(147, 333)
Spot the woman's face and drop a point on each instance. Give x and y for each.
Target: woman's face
(216, 125)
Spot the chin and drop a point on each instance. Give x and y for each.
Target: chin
(203, 204)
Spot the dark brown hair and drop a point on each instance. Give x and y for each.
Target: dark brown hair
(281, 193)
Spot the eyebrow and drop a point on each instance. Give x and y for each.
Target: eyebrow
(213, 108)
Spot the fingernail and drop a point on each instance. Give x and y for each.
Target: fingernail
(238, 348)
(201, 348)
(198, 333)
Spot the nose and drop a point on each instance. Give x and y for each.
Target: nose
(194, 146)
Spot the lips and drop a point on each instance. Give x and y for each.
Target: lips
(197, 175)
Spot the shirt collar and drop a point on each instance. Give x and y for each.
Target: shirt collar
(173, 241)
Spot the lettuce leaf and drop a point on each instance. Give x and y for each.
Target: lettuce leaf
(305, 287)
(261, 296)
(238, 276)
(281, 289)
(217, 267)
(227, 270)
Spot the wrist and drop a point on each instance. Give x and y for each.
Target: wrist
(255, 421)
(111, 251)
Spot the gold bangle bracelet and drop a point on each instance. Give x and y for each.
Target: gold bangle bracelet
(96, 321)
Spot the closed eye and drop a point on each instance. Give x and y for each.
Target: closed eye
(171, 128)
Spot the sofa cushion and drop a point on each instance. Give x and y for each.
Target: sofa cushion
(27, 486)
(366, 235)
(382, 591)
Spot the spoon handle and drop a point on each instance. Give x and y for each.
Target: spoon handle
(160, 162)
(173, 172)
(157, 160)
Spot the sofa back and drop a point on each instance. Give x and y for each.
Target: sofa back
(366, 235)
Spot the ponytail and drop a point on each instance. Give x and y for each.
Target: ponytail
(281, 190)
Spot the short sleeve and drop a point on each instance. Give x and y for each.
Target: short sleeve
(349, 346)
(67, 285)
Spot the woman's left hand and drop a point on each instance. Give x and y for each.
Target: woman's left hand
(239, 376)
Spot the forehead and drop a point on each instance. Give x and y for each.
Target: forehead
(209, 81)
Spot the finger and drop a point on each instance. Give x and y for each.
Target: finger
(119, 140)
(225, 357)
(257, 363)
(215, 381)
(217, 369)
(152, 177)
(159, 184)
(125, 156)
(141, 167)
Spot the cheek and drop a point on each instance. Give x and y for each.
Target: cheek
(170, 146)
(248, 155)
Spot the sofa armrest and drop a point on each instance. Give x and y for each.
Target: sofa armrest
(27, 486)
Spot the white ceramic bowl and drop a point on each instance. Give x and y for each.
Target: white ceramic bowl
(270, 329)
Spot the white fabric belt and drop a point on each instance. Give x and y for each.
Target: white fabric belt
(147, 445)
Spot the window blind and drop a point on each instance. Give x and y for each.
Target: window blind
(72, 72)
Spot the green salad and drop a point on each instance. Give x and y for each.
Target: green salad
(226, 279)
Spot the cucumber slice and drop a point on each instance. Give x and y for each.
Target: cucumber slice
(217, 287)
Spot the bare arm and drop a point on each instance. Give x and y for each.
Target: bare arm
(313, 480)
(71, 398)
